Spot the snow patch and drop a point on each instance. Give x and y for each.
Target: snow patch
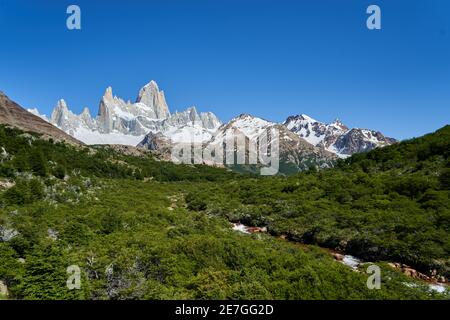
(94, 137)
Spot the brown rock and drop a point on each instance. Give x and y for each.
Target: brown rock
(409, 272)
(338, 256)
(257, 229)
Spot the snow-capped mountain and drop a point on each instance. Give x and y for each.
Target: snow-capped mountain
(149, 123)
(238, 142)
(336, 137)
(120, 122)
(292, 149)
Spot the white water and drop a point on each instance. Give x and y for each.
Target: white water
(351, 261)
(240, 227)
(438, 287)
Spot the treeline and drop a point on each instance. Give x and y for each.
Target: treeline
(25, 152)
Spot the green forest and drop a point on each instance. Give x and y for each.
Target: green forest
(142, 228)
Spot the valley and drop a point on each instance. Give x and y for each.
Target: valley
(65, 205)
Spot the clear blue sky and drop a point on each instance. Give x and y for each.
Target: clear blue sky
(268, 58)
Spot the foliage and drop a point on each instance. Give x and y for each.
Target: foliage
(140, 228)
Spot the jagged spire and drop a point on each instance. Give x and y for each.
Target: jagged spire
(152, 97)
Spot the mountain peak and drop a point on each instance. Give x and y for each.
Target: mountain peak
(337, 121)
(243, 116)
(300, 117)
(86, 112)
(339, 124)
(307, 118)
(151, 88)
(250, 121)
(62, 104)
(152, 84)
(152, 97)
(108, 93)
(192, 109)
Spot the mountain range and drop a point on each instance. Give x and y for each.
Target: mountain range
(148, 123)
(120, 122)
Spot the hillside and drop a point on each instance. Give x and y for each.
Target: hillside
(389, 204)
(140, 228)
(14, 115)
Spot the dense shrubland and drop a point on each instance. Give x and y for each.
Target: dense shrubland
(140, 228)
(388, 204)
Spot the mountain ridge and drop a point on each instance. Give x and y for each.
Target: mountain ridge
(336, 137)
(121, 122)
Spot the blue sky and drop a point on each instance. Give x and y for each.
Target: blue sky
(270, 58)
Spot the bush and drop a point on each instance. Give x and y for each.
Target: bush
(24, 192)
(59, 172)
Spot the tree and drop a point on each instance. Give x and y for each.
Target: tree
(444, 179)
(38, 162)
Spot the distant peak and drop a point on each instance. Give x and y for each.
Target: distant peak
(307, 118)
(86, 111)
(244, 116)
(61, 104)
(108, 93)
(149, 89)
(152, 97)
(339, 124)
(151, 85)
(192, 109)
(301, 117)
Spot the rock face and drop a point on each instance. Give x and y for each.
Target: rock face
(361, 140)
(68, 121)
(154, 99)
(155, 141)
(336, 137)
(14, 115)
(116, 115)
